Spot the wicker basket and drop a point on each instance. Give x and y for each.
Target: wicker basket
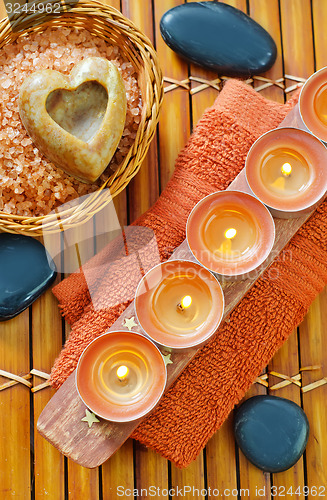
(108, 23)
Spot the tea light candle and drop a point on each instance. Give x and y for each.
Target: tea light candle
(121, 376)
(313, 104)
(179, 304)
(230, 232)
(286, 170)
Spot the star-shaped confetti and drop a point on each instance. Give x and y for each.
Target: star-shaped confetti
(90, 418)
(167, 359)
(129, 323)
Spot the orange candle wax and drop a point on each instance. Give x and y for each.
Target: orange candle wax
(121, 376)
(286, 170)
(179, 304)
(230, 233)
(313, 104)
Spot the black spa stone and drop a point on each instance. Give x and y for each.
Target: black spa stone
(218, 37)
(272, 432)
(25, 273)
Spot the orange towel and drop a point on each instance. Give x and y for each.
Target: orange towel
(207, 390)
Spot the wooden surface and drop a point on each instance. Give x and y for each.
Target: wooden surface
(29, 466)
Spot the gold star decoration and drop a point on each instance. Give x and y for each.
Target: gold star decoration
(129, 323)
(90, 418)
(167, 359)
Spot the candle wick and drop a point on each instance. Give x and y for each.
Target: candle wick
(180, 308)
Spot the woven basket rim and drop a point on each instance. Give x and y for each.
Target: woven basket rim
(148, 59)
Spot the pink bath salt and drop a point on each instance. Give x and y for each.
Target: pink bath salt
(22, 165)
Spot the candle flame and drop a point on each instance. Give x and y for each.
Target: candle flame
(186, 301)
(122, 372)
(230, 233)
(286, 169)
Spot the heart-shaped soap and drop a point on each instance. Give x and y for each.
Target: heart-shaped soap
(76, 120)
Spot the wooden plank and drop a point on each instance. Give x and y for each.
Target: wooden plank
(47, 342)
(151, 469)
(287, 362)
(15, 409)
(15, 479)
(319, 12)
(201, 99)
(251, 478)
(313, 331)
(190, 480)
(118, 472)
(267, 15)
(313, 338)
(174, 127)
(297, 38)
(221, 470)
(143, 190)
(81, 482)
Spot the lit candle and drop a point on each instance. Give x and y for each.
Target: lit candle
(179, 304)
(230, 233)
(285, 169)
(121, 376)
(313, 104)
(122, 373)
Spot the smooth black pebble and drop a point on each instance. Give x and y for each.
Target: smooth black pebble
(272, 432)
(218, 37)
(26, 271)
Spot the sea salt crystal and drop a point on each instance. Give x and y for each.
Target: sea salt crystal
(26, 142)
(5, 84)
(26, 171)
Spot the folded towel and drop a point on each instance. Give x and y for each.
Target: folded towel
(218, 377)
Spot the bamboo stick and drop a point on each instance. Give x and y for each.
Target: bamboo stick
(297, 39)
(191, 477)
(174, 128)
(313, 338)
(82, 482)
(143, 190)
(267, 15)
(221, 470)
(298, 61)
(201, 100)
(150, 470)
(287, 360)
(118, 472)
(47, 341)
(15, 409)
(252, 479)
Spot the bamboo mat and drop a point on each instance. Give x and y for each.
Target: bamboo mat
(29, 466)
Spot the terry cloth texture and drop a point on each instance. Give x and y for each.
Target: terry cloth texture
(218, 377)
